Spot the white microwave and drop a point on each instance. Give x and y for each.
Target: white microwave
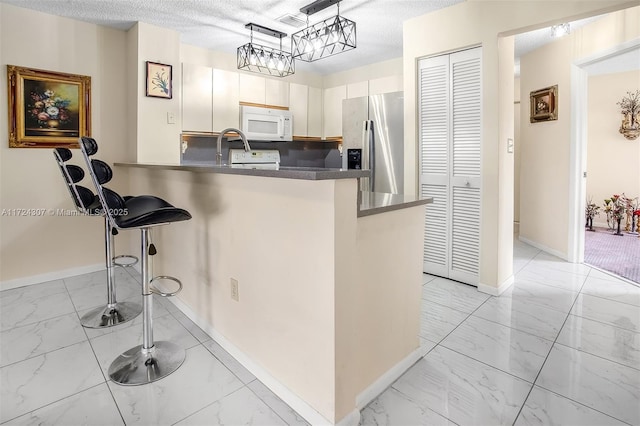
(266, 124)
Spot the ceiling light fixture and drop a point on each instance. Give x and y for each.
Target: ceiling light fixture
(560, 30)
(329, 37)
(265, 60)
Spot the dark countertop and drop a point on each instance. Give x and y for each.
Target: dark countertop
(379, 202)
(304, 173)
(370, 203)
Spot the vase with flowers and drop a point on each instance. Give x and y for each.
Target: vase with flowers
(591, 211)
(616, 207)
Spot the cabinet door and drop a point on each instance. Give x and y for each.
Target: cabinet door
(314, 112)
(298, 100)
(196, 98)
(276, 92)
(252, 89)
(357, 90)
(226, 112)
(393, 83)
(333, 98)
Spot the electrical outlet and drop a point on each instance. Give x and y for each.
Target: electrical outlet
(235, 294)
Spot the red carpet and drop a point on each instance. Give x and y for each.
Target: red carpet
(620, 255)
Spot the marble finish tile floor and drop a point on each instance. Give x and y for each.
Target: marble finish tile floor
(562, 346)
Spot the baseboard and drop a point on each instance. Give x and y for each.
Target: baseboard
(294, 401)
(386, 380)
(544, 248)
(50, 276)
(496, 291)
(351, 419)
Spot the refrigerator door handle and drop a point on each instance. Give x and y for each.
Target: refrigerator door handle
(372, 156)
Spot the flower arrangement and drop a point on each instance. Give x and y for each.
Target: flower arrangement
(49, 110)
(630, 109)
(590, 212)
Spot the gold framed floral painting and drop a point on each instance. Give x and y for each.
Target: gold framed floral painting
(159, 80)
(47, 109)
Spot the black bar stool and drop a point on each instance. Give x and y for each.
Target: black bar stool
(151, 360)
(88, 203)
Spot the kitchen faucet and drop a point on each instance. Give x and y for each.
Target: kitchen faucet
(247, 148)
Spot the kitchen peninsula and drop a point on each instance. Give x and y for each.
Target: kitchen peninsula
(328, 279)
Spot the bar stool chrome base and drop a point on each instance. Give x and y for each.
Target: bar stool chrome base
(110, 315)
(139, 366)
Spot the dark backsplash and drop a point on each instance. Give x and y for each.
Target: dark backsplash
(202, 149)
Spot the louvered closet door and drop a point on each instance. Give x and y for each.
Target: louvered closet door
(450, 135)
(434, 134)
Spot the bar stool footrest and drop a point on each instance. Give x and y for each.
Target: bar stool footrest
(125, 264)
(154, 290)
(139, 366)
(108, 316)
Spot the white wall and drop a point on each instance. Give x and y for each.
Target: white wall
(157, 140)
(29, 178)
(546, 146)
(613, 162)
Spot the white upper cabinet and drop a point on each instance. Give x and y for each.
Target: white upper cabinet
(357, 90)
(305, 104)
(298, 105)
(252, 89)
(226, 98)
(197, 98)
(333, 97)
(263, 91)
(388, 84)
(314, 112)
(276, 92)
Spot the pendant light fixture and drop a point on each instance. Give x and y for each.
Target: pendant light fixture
(327, 38)
(262, 59)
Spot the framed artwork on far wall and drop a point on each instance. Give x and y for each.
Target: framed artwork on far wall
(544, 104)
(159, 77)
(47, 109)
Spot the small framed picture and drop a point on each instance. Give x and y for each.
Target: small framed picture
(544, 104)
(159, 77)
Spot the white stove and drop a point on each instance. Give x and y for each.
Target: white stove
(254, 159)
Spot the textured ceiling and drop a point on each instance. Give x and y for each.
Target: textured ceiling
(219, 24)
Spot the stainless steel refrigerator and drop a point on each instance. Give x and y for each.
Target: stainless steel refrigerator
(373, 139)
